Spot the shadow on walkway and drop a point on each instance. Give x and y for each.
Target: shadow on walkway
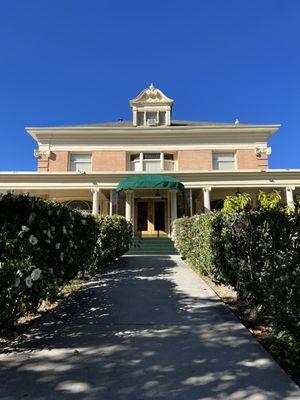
(150, 328)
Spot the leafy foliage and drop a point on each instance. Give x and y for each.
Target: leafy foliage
(256, 252)
(269, 201)
(114, 239)
(237, 202)
(192, 238)
(43, 245)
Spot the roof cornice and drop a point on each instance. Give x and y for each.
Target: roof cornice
(98, 131)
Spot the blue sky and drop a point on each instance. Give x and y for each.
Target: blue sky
(71, 61)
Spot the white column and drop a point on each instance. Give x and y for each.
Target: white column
(206, 199)
(96, 194)
(117, 203)
(289, 196)
(111, 203)
(191, 202)
(173, 198)
(128, 205)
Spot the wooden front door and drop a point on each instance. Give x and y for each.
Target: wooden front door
(151, 217)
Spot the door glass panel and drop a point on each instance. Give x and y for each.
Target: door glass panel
(142, 220)
(159, 216)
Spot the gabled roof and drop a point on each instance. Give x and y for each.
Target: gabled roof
(151, 96)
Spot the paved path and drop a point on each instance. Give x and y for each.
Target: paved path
(149, 329)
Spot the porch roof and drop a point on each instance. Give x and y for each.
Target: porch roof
(150, 181)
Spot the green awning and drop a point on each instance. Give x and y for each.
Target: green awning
(149, 182)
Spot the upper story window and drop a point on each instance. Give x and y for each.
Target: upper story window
(152, 162)
(223, 161)
(81, 162)
(151, 118)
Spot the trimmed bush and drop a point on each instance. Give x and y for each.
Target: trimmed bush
(43, 245)
(114, 240)
(192, 239)
(256, 252)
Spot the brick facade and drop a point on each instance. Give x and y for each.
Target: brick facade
(109, 161)
(191, 160)
(59, 161)
(247, 159)
(187, 160)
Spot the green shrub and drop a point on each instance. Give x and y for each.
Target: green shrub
(42, 246)
(237, 202)
(269, 201)
(192, 238)
(114, 239)
(256, 252)
(286, 348)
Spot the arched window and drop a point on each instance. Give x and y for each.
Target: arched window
(82, 205)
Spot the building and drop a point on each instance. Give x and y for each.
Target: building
(83, 165)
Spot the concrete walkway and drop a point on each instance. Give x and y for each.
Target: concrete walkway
(149, 329)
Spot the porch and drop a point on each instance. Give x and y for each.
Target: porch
(152, 210)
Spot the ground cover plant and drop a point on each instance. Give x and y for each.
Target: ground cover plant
(44, 245)
(257, 252)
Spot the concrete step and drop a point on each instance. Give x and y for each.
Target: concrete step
(151, 245)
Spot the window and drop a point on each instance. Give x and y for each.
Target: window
(223, 161)
(80, 162)
(83, 205)
(162, 118)
(140, 118)
(152, 162)
(135, 163)
(151, 118)
(168, 162)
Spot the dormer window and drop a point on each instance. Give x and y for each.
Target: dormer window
(151, 108)
(151, 118)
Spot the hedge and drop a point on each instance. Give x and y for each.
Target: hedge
(192, 239)
(43, 245)
(256, 252)
(114, 239)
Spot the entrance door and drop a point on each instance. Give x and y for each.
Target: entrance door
(151, 218)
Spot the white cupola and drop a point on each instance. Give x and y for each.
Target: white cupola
(151, 108)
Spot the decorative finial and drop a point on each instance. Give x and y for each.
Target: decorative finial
(236, 121)
(151, 87)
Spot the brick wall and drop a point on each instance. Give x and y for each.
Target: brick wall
(247, 159)
(189, 160)
(58, 161)
(109, 161)
(43, 164)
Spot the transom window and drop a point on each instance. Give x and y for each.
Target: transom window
(223, 161)
(81, 162)
(152, 162)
